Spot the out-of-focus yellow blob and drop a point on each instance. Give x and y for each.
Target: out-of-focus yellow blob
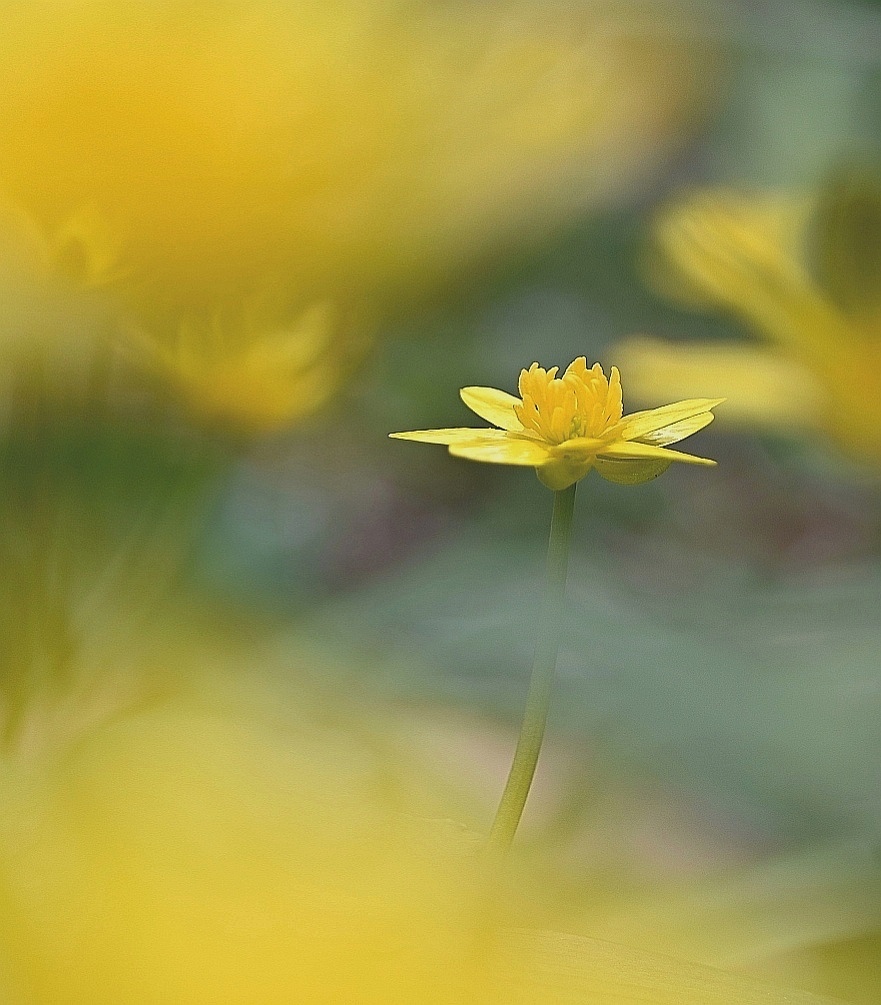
(183, 158)
(758, 258)
(188, 854)
(341, 142)
(190, 857)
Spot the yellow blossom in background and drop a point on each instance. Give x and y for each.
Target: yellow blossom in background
(248, 373)
(805, 275)
(181, 157)
(339, 141)
(565, 426)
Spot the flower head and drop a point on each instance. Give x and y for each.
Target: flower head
(564, 426)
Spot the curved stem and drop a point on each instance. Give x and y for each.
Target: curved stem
(543, 669)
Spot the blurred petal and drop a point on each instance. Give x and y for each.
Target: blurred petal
(493, 405)
(502, 450)
(640, 424)
(247, 371)
(86, 249)
(844, 241)
(724, 249)
(760, 387)
(570, 970)
(645, 451)
(716, 244)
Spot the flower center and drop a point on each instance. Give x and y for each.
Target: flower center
(581, 403)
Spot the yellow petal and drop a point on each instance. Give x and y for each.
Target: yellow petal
(502, 450)
(630, 472)
(493, 405)
(448, 436)
(677, 431)
(761, 388)
(645, 451)
(640, 424)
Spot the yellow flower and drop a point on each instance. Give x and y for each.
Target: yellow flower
(564, 426)
(804, 275)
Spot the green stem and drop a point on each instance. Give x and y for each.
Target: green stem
(543, 669)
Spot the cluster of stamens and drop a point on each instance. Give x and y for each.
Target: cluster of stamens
(581, 403)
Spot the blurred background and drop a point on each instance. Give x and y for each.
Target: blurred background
(242, 242)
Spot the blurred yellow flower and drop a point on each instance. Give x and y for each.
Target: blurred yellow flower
(345, 143)
(249, 373)
(805, 275)
(564, 426)
(178, 158)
